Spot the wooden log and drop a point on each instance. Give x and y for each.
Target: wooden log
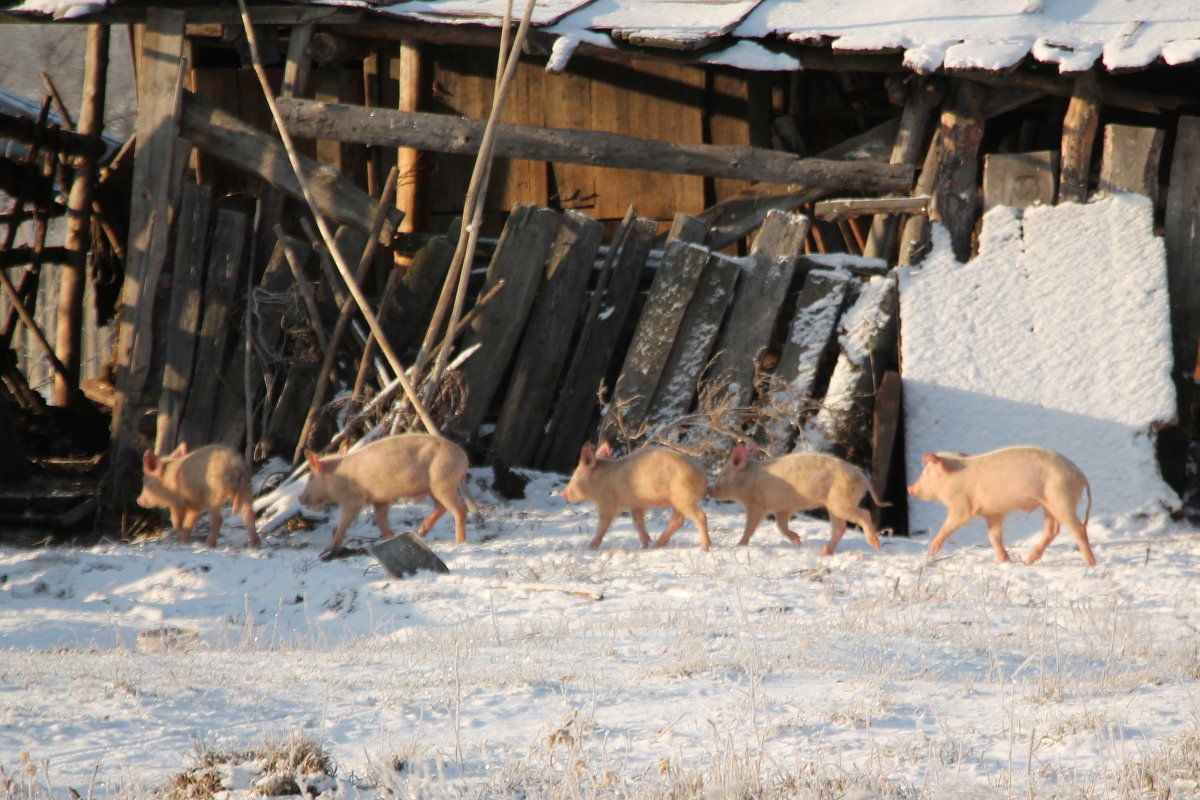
(227, 138)
(670, 292)
(519, 261)
(73, 277)
(611, 304)
(807, 356)
(544, 347)
(183, 315)
(1019, 180)
(199, 424)
(154, 192)
(1079, 132)
(698, 331)
(955, 189)
(449, 134)
(770, 268)
(1130, 160)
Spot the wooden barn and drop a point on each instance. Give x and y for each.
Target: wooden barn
(528, 225)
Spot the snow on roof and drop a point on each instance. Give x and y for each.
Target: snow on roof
(1057, 335)
(931, 34)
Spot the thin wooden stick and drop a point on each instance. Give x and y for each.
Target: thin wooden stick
(325, 373)
(32, 326)
(464, 253)
(351, 284)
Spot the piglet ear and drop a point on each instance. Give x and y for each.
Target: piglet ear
(179, 451)
(587, 455)
(753, 452)
(605, 450)
(149, 461)
(930, 458)
(738, 456)
(314, 463)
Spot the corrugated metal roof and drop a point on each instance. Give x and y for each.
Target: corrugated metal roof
(931, 34)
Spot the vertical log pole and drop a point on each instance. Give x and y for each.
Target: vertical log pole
(1079, 134)
(160, 70)
(924, 94)
(408, 193)
(955, 191)
(72, 277)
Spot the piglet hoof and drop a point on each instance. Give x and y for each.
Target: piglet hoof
(826, 550)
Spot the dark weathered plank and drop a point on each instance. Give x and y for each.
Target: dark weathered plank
(577, 403)
(539, 362)
(1130, 160)
(670, 293)
(271, 370)
(678, 384)
(885, 429)
(408, 307)
(810, 347)
(761, 290)
(519, 261)
(450, 134)
(1020, 180)
(212, 363)
(183, 316)
(1079, 132)
(1181, 234)
(154, 185)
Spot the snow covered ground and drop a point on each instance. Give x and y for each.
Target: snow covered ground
(536, 668)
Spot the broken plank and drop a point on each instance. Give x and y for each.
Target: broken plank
(761, 290)
(1130, 160)
(867, 344)
(221, 288)
(670, 292)
(543, 352)
(810, 347)
(693, 346)
(577, 404)
(519, 261)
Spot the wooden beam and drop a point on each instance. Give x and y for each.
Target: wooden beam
(448, 134)
(834, 210)
(226, 137)
(1079, 133)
